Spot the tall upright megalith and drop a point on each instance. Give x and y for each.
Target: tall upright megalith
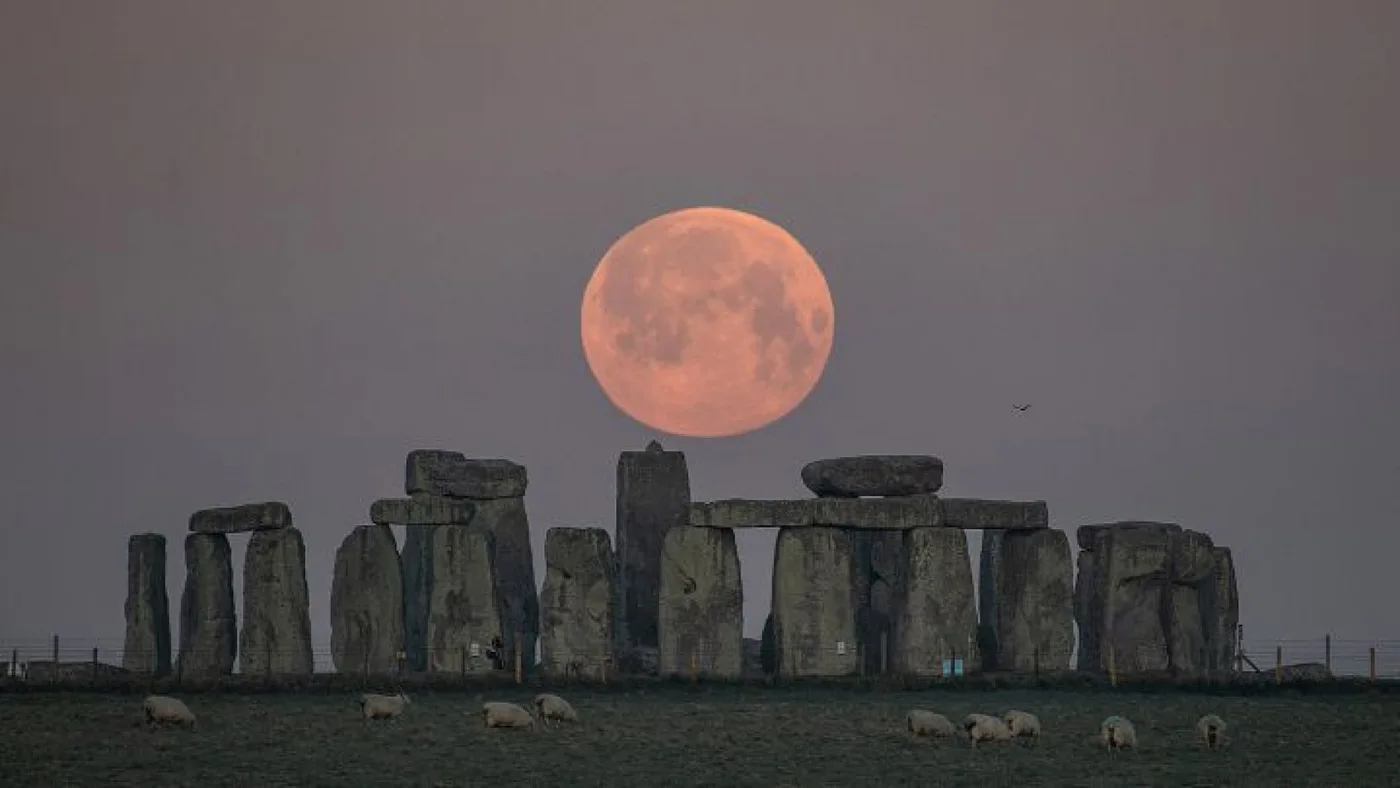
(417, 563)
(514, 563)
(208, 623)
(276, 635)
(653, 496)
(576, 604)
(147, 647)
(463, 609)
(700, 611)
(814, 602)
(1026, 593)
(367, 603)
(937, 615)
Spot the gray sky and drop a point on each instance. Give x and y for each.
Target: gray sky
(261, 250)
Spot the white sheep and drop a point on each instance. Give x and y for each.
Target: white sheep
(552, 707)
(1022, 723)
(922, 722)
(162, 709)
(498, 714)
(984, 727)
(1118, 733)
(1212, 730)
(375, 707)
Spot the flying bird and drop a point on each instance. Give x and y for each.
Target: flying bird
(1021, 408)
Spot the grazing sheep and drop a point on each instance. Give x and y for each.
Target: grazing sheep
(553, 707)
(497, 714)
(1212, 730)
(161, 709)
(983, 727)
(1022, 723)
(375, 707)
(926, 723)
(1117, 733)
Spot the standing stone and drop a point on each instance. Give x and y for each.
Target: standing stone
(937, 614)
(768, 648)
(463, 609)
(701, 604)
(1220, 611)
(576, 603)
(514, 564)
(417, 561)
(147, 649)
(653, 496)
(1027, 600)
(1192, 569)
(276, 636)
(1088, 611)
(208, 623)
(814, 605)
(367, 603)
(1130, 597)
(880, 569)
(874, 475)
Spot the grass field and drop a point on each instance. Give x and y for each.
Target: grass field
(724, 736)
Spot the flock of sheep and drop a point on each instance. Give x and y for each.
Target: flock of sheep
(1115, 733)
(162, 709)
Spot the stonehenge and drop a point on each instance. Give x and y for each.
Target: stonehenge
(870, 575)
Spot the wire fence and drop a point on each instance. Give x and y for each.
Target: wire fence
(69, 659)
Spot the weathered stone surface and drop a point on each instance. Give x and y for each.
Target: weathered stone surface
(463, 608)
(937, 616)
(1220, 612)
(576, 604)
(452, 474)
(915, 511)
(276, 635)
(422, 510)
(701, 604)
(238, 519)
(653, 496)
(1026, 599)
(975, 513)
(884, 475)
(513, 558)
(208, 623)
(147, 647)
(367, 609)
(1145, 599)
(814, 604)
(880, 571)
(417, 562)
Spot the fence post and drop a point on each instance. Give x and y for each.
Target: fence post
(463, 667)
(55, 656)
(1327, 653)
(14, 662)
(1239, 648)
(1112, 667)
(1278, 664)
(94, 664)
(519, 657)
(1373, 663)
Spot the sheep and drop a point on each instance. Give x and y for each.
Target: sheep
(983, 727)
(926, 723)
(375, 707)
(1022, 723)
(552, 707)
(161, 709)
(1212, 730)
(1118, 733)
(497, 714)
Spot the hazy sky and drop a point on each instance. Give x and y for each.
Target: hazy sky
(261, 250)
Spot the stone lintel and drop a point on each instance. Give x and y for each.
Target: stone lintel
(894, 513)
(422, 510)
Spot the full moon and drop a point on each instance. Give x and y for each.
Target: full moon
(707, 322)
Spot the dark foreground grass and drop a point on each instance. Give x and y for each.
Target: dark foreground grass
(718, 737)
